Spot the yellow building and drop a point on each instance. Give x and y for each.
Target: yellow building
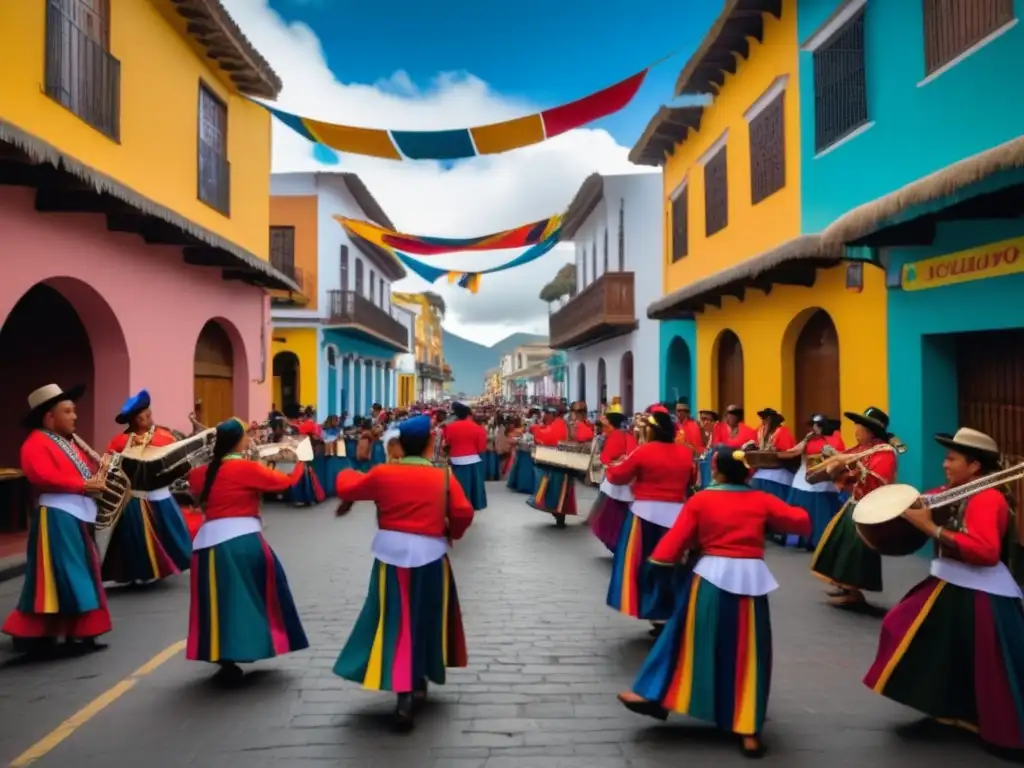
(492, 383)
(134, 188)
(777, 315)
(432, 372)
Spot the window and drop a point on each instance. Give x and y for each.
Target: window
(81, 74)
(952, 27)
(840, 84)
(359, 277)
(622, 234)
(282, 250)
(716, 193)
(606, 250)
(680, 224)
(343, 264)
(214, 169)
(373, 285)
(768, 150)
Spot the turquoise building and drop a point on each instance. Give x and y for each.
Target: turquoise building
(913, 161)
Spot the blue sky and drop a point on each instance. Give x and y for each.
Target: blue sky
(545, 51)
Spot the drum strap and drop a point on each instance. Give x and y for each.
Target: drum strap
(69, 450)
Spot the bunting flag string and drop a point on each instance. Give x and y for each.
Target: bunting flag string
(471, 280)
(463, 143)
(518, 237)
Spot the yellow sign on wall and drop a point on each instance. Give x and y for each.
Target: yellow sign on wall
(992, 260)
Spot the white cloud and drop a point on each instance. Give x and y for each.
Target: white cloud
(474, 197)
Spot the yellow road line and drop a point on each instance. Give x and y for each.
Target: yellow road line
(50, 741)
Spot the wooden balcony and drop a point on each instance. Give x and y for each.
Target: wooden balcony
(603, 310)
(349, 311)
(304, 280)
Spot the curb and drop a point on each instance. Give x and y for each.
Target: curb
(13, 571)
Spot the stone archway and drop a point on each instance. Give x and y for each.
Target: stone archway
(626, 382)
(62, 331)
(287, 381)
(678, 371)
(581, 382)
(729, 370)
(602, 382)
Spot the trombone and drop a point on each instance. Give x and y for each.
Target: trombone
(820, 471)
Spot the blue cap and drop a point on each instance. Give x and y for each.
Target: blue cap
(417, 426)
(133, 406)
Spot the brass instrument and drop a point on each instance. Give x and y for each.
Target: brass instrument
(197, 427)
(150, 468)
(116, 488)
(819, 472)
(595, 472)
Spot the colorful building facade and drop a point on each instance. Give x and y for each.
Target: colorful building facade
(336, 337)
(432, 372)
(133, 205)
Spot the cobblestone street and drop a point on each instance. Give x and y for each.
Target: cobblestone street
(547, 658)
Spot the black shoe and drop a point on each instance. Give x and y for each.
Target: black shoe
(754, 754)
(229, 673)
(645, 708)
(404, 718)
(559, 521)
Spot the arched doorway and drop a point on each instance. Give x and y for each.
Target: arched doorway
(63, 332)
(626, 382)
(215, 375)
(816, 368)
(286, 381)
(602, 382)
(581, 382)
(678, 370)
(730, 370)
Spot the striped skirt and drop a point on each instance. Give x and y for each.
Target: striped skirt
(638, 588)
(307, 489)
(473, 481)
(606, 518)
(410, 629)
(522, 477)
(150, 541)
(842, 558)
(713, 661)
(241, 609)
(556, 492)
(62, 595)
(956, 655)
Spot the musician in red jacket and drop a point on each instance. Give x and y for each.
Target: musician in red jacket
(774, 435)
(842, 558)
(62, 595)
(307, 490)
(151, 541)
(467, 441)
(964, 622)
(821, 499)
(241, 608)
(713, 661)
(612, 503)
(410, 628)
(556, 489)
(660, 471)
(733, 432)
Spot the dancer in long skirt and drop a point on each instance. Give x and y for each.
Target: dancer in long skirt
(410, 628)
(556, 489)
(521, 471)
(842, 558)
(151, 540)
(713, 662)
(308, 491)
(953, 648)
(661, 471)
(774, 435)
(821, 499)
(467, 441)
(612, 503)
(62, 595)
(241, 608)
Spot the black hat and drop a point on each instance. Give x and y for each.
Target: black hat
(734, 410)
(767, 413)
(45, 398)
(874, 419)
(713, 415)
(825, 422)
(684, 402)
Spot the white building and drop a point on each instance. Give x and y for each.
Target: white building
(612, 351)
(525, 374)
(343, 332)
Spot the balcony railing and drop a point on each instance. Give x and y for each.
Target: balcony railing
(302, 278)
(214, 178)
(430, 371)
(81, 74)
(602, 310)
(348, 308)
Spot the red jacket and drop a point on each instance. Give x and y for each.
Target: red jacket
(744, 435)
(465, 438)
(781, 439)
(551, 434)
(583, 432)
(161, 437)
(880, 470)
(616, 445)
(729, 521)
(239, 487)
(986, 518)
(49, 469)
(818, 442)
(658, 471)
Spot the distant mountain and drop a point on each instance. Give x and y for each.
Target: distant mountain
(469, 360)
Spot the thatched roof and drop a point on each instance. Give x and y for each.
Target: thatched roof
(875, 215)
(40, 151)
(705, 72)
(590, 193)
(669, 128)
(804, 253)
(210, 25)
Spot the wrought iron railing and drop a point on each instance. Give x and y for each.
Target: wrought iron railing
(350, 308)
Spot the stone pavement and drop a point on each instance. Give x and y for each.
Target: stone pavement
(547, 660)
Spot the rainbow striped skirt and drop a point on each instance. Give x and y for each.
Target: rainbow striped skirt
(639, 588)
(62, 595)
(410, 629)
(957, 655)
(241, 609)
(713, 661)
(556, 492)
(150, 541)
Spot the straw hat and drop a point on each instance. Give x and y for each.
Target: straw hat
(44, 398)
(971, 442)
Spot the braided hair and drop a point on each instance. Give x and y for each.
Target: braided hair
(229, 433)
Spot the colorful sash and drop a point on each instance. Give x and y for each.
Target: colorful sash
(69, 451)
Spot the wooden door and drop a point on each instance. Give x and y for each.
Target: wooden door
(627, 382)
(816, 369)
(214, 376)
(214, 400)
(730, 371)
(990, 393)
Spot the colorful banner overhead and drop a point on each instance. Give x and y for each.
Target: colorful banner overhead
(518, 237)
(462, 143)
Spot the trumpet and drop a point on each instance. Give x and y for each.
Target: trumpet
(821, 470)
